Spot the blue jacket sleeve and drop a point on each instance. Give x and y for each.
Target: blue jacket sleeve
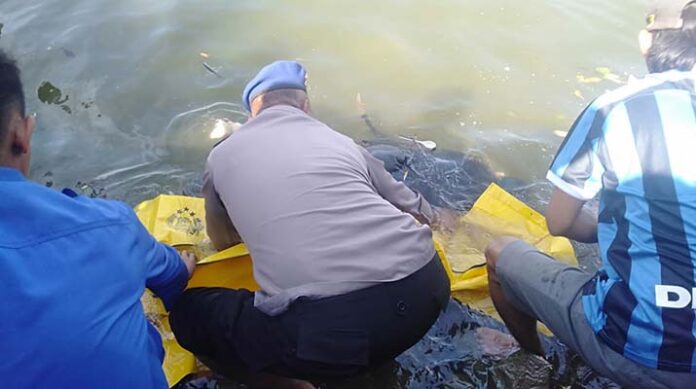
(166, 274)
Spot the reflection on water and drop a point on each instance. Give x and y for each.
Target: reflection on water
(195, 132)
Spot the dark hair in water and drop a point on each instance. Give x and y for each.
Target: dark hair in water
(11, 93)
(675, 49)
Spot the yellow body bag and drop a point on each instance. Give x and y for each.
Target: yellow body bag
(180, 222)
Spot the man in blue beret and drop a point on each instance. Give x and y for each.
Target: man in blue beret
(342, 252)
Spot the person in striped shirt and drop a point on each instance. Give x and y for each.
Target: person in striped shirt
(635, 149)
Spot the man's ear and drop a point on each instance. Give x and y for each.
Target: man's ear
(256, 105)
(20, 135)
(645, 41)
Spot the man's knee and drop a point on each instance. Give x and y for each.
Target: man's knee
(495, 248)
(183, 319)
(183, 306)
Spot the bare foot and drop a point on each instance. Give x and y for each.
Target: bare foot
(496, 343)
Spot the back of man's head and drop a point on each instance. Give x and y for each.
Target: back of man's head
(674, 48)
(11, 94)
(293, 97)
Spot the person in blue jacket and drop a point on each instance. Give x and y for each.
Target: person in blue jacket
(72, 271)
(632, 321)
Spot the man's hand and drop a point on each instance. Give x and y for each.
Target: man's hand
(189, 260)
(445, 220)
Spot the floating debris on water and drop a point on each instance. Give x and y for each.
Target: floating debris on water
(579, 94)
(587, 80)
(603, 74)
(560, 133)
(50, 94)
(204, 55)
(210, 69)
(609, 76)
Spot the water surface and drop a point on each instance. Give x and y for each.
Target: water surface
(496, 75)
(125, 106)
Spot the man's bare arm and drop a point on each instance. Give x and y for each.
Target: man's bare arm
(567, 217)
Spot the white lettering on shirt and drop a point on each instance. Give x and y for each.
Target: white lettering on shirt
(671, 296)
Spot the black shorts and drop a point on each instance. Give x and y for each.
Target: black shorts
(325, 338)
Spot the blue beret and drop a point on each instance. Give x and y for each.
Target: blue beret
(278, 75)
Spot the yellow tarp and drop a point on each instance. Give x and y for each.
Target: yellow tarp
(180, 221)
(495, 213)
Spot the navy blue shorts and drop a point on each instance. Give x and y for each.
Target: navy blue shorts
(331, 337)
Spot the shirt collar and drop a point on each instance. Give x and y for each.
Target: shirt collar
(663, 75)
(9, 174)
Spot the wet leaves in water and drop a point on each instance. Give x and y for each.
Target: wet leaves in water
(50, 94)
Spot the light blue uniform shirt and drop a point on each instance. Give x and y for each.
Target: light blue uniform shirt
(72, 271)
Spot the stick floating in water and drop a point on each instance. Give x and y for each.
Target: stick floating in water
(210, 69)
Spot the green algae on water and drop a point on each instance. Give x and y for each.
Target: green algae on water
(50, 94)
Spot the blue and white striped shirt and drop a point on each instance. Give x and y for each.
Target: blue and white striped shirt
(636, 148)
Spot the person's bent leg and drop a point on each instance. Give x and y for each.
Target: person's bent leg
(531, 286)
(202, 319)
(348, 334)
(522, 326)
(223, 329)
